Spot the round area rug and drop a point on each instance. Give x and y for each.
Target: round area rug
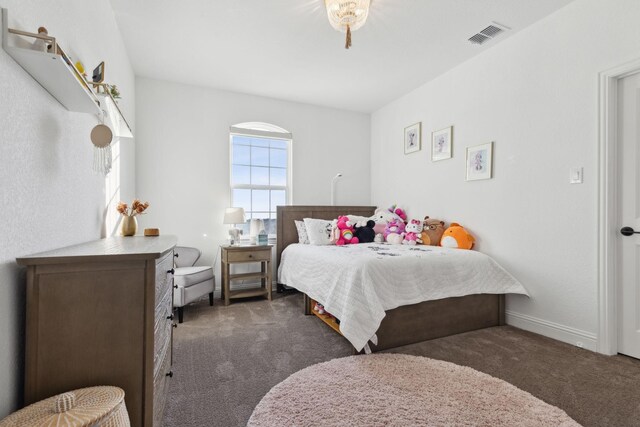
(400, 390)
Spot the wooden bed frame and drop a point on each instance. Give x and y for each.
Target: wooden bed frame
(410, 323)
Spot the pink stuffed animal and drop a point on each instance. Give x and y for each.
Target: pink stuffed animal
(382, 216)
(413, 230)
(345, 232)
(394, 232)
(399, 211)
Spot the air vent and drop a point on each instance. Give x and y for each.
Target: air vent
(479, 39)
(491, 31)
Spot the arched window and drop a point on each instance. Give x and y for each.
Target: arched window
(260, 171)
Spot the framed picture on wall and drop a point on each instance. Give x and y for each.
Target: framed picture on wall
(442, 144)
(413, 138)
(480, 162)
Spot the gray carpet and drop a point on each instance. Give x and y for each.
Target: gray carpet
(227, 358)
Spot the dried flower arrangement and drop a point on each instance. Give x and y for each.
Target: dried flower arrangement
(137, 208)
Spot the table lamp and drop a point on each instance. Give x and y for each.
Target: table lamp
(234, 216)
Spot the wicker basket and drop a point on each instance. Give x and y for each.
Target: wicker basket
(93, 406)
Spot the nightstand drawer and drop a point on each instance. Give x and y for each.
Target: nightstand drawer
(245, 255)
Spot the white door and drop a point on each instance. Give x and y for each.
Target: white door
(629, 216)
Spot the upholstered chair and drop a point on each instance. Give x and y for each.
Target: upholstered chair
(191, 282)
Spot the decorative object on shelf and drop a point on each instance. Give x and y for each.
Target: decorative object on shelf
(40, 43)
(263, 238)
(347, 16)
(91, 406)
(333, 187)
(480, 162)
(101, 137)
(98, 73)
(413, 138)
(129, 225)
(233, 216)
(115, 93)
(441, 144)
(80, 67)
(152, 232)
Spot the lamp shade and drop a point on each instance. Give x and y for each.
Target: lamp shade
(233, 216)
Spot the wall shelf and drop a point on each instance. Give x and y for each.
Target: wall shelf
(57, 77)
(56, 74)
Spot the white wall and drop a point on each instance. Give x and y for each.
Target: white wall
(182, 157)
(536, 96)
(50, 196)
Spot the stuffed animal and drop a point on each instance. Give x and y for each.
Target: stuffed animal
(344, 232)
(432, 231)
(379, 238)
(365, 233)
(457, 237)
(413, 229)
(394, 232)
(382, 216)
(319, 308)
(399, 211)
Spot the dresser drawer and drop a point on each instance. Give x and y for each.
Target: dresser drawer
(164, 280)
(162, 330)
(164, 308)
(248, 256)
(160, 389)
(163, 352)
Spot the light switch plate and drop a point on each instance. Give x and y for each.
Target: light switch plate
(576, 175)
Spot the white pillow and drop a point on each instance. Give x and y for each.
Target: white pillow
(358, 220)
(303, 237)
(319, 231)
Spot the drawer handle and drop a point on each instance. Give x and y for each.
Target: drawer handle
(250, 255)
(172, 271)
(170, 317)
(175, 325)
(176, 255)
(170, 374)
(175, 286)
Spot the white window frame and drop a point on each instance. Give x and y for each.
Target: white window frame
(261, 130)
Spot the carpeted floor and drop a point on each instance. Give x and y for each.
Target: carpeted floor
(227, 358)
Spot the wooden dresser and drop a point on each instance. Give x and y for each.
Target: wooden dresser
(101, 313)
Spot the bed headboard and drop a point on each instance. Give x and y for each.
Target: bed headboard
(287, 232)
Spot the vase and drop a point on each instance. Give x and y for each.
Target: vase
(129, 225)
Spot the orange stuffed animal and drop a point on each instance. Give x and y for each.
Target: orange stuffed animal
(457, 237)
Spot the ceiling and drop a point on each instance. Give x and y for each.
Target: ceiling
(286, 49)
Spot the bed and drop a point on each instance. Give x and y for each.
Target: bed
(388, 319)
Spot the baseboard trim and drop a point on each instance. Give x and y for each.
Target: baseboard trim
(553, 330)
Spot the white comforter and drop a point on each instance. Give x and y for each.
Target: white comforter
(357, 283)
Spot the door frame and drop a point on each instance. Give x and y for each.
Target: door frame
(608, 205)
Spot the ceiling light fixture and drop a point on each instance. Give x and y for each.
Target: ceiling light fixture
(347, 15)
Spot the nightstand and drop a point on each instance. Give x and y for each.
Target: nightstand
(241, 255)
